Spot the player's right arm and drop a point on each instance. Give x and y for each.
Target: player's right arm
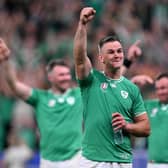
(82, 62)
(20, 89)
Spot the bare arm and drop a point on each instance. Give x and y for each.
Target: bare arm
(82, 62)
(20, 89)
(139, 128)
(142, 80)
(134, 52)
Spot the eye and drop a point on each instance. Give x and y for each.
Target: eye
(110, 52)
(120, 50)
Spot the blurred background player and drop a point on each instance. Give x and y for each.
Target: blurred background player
(18, 151)
(58, 112)
(158, 114)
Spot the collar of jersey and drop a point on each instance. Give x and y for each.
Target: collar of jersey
(111, 79)
(60, 95)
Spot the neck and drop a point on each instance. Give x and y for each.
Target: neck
(164, 102)
(58, 90)
(113, 73)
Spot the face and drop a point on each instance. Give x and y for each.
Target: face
(60, 77)
(161, 87)
(111, 54)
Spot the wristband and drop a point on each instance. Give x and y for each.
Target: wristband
(127, 63)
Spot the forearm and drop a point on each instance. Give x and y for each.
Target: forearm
(82, 62)
(139, 129)
(80, 44)
(18, 88)
(10, 74)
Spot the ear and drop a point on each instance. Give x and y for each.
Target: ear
(49, 77)
(101, 58)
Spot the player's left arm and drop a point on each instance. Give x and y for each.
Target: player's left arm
(140, 127)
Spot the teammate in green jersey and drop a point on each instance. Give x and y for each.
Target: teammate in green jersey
(58, 112)
(158, 114)
(111, 102)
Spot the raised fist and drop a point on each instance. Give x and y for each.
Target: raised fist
(4, 51)
(87, 15)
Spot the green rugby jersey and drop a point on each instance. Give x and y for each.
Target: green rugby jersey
(59, 119)
(101, 97)
(158, 139)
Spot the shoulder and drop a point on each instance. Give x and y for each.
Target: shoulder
(152, 105)
(40, 92)
(152, 102)
(74, 90)
(97, 73)
(36, 96)
(129, 83)
(87, 81)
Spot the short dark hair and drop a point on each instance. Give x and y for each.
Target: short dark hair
(54, 63)
(162, 75)
(108, 39)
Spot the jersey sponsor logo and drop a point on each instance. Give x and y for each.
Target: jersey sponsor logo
(61, 100)
(124, 94)
(125, 156)
(104, 86)
(154, 111)
(52, 103)
(71, 100)
(164, 107)
(113, 85)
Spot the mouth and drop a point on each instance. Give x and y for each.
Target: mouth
(116, 61)
(65, 83)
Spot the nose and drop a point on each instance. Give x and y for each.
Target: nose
(67, 77)
(117, 54)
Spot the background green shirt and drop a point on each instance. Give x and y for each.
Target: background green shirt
(103, 96)
(158, 139)
(59, 119)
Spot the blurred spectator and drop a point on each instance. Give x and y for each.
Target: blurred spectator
(23, 121)
(6, 106)
(18, 151)
(43, 28)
